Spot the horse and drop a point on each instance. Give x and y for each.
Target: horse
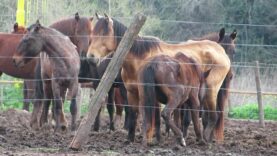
(227, 41)
(60, 64)
(171, 81)
(106, 36)
(78, 28)
(92, 71)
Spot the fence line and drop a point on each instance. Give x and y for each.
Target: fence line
(189, 22)
(159, 41)
(234, 91)
(205, 23)
(104, 58)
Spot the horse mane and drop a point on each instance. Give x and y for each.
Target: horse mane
(141, 45)
(212, 37)
(54, 35)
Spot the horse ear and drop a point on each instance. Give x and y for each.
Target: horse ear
(108, 19)
(38, 26)
(15, 27)
(77, 17)
(97, 15)
(91, 18)
(221, 34)
(233, 35)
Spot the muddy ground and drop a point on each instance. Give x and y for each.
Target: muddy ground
(241, 138)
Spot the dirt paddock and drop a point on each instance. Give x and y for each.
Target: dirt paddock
(241, 138)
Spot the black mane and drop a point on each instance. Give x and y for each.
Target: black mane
(141, 46)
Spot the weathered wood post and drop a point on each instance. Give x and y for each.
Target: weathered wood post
(107, 80)
(259, 95)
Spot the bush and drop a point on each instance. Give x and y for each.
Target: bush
(251, 111)
(12, 96)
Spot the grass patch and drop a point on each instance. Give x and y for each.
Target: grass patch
(251, 111)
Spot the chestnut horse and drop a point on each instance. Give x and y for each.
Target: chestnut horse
(171, 81)
(106, 36)
(60, 67)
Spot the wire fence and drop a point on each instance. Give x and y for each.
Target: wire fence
(238, 66)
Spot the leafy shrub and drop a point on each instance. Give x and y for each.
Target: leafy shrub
(251, 111)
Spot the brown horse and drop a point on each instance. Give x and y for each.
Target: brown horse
(92, 71)
(60, 67)
(227, 41)
(106, 36)
(172, 81)
(79, 29)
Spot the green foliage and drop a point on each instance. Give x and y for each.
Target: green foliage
(12, 96)
(251, 111)
(165, 19)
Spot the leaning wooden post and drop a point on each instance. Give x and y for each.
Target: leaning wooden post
(106, 81)
(259, 94)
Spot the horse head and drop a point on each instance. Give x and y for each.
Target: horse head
(228, 42)
(82, 33)
(30, 45)
(18, 29)
(106, 35)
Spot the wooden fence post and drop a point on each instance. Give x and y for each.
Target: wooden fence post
(259, 94)
(106, 81)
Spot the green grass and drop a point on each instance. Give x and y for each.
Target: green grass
(12, 96)
(251, 111)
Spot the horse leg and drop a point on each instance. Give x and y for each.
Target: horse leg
(46, 103)
(96, 124)
(123, 93)
(110, 107)
(186, 119)
(195, 106)
(166, 114)
(210, 99)
(26, 102)
(73, 105)
(158, 122)
(118, 101)
(133, 114)
(58, 94)
(35, 117)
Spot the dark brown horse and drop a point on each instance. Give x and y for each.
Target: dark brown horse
(171, 81)
(227, 41)
(60, 67)
(93, 71)
(79, 29)
(106, 37)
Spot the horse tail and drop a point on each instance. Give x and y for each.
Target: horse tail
(148, 94)
(203, 85)
(222, 98)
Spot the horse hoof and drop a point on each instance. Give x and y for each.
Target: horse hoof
(63, 127)
(112, 128)
(201, 142)
(183, 142)
(35, 126)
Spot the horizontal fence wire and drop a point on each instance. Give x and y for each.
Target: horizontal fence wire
(179, 62)
(158, 41)
(190, 22)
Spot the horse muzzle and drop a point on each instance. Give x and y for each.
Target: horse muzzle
(18, 61)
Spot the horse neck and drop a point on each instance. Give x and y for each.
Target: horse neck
(65, 28)
(57, 50)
